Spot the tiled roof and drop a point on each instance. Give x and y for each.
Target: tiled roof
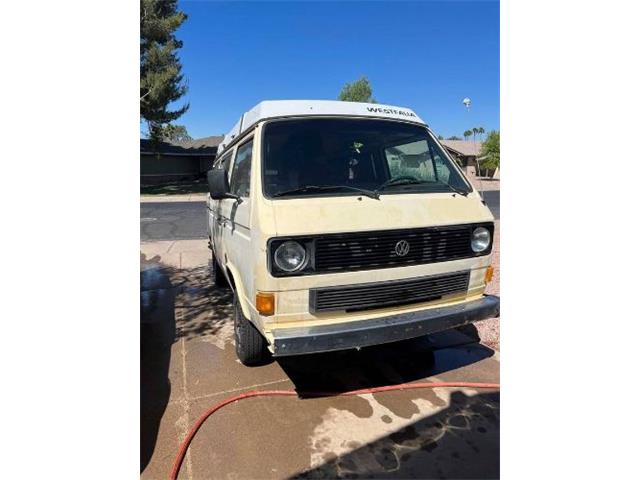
(199, 146)
(464, 147)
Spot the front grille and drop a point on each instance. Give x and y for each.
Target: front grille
(385, 294)
(371, 250)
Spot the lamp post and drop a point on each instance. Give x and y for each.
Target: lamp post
(467, 103)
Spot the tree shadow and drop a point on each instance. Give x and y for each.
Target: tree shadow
(204, 309)
(157, 333)
(461, 441)
(174, 304)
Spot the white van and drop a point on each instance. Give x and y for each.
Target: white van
(340, 225)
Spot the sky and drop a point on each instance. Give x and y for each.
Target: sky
(427, 56)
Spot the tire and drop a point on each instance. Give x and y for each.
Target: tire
(251, 347)
(217, 275)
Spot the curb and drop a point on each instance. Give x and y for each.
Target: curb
(201, 197)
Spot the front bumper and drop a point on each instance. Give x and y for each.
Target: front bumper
(302, 340)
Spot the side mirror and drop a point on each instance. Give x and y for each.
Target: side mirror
(218, 183)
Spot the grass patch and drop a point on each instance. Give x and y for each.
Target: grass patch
(175, 188)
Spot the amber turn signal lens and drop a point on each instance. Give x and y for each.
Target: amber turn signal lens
(265, 303)
(488, 274)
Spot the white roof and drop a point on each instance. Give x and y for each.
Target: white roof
(291, 108)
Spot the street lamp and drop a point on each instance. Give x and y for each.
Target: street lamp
(467, 103)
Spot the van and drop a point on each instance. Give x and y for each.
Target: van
(341, 225)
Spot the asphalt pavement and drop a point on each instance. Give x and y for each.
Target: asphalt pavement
(187, 220)
(492, 197)
(172, 221)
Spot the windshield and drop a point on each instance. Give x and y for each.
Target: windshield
(364, 154)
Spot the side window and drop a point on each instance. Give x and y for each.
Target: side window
(241, 176)
(222, 163)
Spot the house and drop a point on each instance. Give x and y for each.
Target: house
(162, 162)
(466, 152)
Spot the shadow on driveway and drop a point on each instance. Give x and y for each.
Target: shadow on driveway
(461, 441)
(157, 333)
(164, 291)
(388, 364)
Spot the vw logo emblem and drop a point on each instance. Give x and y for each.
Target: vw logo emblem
(402, 248)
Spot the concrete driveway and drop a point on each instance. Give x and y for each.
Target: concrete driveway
(188, 363)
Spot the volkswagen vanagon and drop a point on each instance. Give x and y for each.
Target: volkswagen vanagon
(341, 225)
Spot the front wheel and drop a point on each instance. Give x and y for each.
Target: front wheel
(251, 347)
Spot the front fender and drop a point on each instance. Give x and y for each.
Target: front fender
(235, 281)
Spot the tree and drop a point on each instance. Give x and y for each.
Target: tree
(161, 80)
(480, 131)
(490, 152)
(474, 130)
(358, 91)
(467, 134)
(440, 137)
(175, 133)
(453, 137)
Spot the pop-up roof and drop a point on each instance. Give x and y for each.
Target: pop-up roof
(296, 108)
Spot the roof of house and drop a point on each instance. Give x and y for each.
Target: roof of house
(290, 108)
(463, 147)
(198, 147)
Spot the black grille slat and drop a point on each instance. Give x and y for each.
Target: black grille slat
(380, 249)
(392, 289)
(392, 261)
(386, 250)
(441, 290)
(378, 295)
(369, 250)
(373, 257)
(343, 300)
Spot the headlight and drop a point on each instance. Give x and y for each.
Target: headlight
(480, 239)
(290, 256)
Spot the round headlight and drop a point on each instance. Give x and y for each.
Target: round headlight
(290, 256)
(480, 239)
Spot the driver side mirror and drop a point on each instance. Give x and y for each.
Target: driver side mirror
(218, 183)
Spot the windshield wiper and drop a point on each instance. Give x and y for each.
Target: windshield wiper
(328, 188)
(410, 181)
(455, 189)
(399, 181)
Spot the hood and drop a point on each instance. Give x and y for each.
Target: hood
(307, 216)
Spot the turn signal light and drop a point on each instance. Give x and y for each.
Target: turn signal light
(265, 303)
(488, 275)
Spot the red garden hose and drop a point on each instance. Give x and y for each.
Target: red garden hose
(292, 393)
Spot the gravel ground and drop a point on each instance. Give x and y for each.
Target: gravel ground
(489, 330)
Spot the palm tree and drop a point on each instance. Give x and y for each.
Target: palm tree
(480, 131)
(475, 131)
(467, 134)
